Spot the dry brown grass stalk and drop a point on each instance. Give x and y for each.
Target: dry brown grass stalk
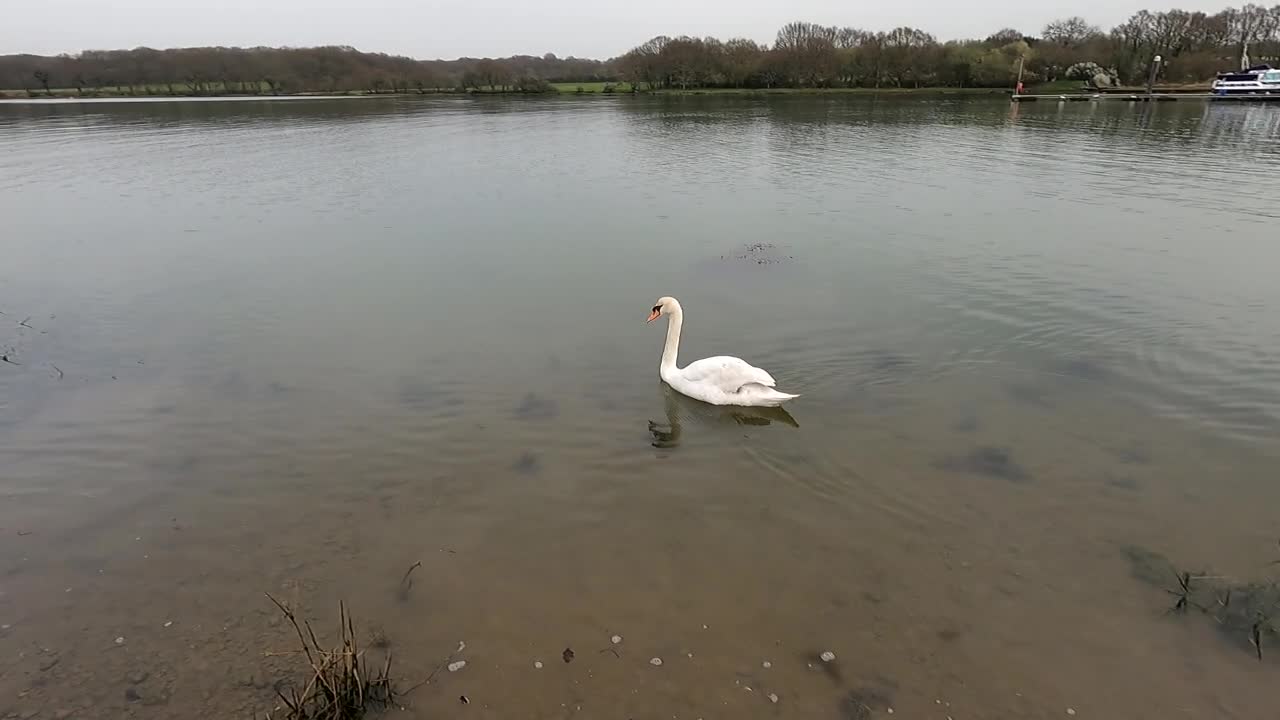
(342, 686)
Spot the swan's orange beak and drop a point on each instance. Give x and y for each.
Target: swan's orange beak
(653, 316)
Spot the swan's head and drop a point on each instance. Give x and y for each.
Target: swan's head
(664, 306)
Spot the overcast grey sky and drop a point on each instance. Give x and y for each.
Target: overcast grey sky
(476, 28)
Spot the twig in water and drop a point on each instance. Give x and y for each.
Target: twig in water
(444, 664)
(1183, 593)
(60, 373)
(25, 325)
(5, 358)
(406, 582)
(1255, 635)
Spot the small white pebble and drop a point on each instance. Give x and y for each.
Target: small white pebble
(616, 639)
(655, 661)
(537, 664)
(456, 666)
(1071, 711)
(120, 640)
(168, 623)
(773, 698)
(827, 656)
(766, 664)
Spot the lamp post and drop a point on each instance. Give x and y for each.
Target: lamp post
(1151, 79)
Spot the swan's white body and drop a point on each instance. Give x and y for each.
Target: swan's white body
(720, 380)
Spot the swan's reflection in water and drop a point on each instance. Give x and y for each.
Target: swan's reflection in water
(680, 409)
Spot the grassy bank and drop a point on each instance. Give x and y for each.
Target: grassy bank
(607, 87)
(838, 91)
(591, 87)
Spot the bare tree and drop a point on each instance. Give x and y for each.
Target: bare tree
(1070, 31)
(42, 77)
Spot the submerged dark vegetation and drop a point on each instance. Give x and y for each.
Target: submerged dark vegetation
(1245, 610)
(1193, 45)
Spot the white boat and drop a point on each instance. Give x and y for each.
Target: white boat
(1257, 80)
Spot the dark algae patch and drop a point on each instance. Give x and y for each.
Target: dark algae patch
(987, 460)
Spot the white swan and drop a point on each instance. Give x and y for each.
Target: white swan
(720, 380)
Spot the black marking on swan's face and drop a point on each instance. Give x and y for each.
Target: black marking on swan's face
(657, 309)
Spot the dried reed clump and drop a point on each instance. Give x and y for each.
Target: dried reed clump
(342, 686)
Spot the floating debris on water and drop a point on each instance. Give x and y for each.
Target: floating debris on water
(760, 254)
(616, 639)
(537, 664)
(168, 624)
(120, 640)
(461, 646)
(464, 700)
(773, 698)
(766, 664)
(1071, 711)
(827, 656)
(457, 665)
(890, 710)
(655, 661)
(567, 655)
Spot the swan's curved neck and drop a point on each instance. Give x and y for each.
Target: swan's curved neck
(672, 347)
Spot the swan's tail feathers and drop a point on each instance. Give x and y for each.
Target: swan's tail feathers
(774, 398)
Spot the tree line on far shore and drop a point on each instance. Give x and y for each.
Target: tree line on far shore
(1193, 46)
(265, 70)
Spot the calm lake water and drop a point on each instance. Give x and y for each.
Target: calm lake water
(298, 347)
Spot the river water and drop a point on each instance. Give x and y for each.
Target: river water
(298, 347)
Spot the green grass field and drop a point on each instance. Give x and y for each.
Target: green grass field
(161, 89)
(839, 91)
(591, 87)
(598, 87)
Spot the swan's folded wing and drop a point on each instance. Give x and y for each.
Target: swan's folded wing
(727, 373)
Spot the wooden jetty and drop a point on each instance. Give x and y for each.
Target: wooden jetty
(1145, 97)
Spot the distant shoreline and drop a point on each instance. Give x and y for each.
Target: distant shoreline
(560, 89)
(574, 89)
